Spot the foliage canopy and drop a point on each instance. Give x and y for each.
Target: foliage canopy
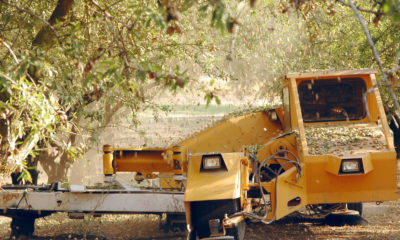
(68, 66)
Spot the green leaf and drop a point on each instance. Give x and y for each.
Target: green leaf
(386, 8)
(207, 97)
(26, 175)
(3, 82)
(155, 68)
(158, 20)
(187, 4)
(6, 18)
(142, 75)
(204, 8)
(217, 100)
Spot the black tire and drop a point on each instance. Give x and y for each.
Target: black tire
(173, 222)
(356, 206)
(203, 211)
(351, 220)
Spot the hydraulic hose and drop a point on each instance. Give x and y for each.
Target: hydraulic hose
(276, 175)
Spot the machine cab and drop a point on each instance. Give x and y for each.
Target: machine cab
(341, 101)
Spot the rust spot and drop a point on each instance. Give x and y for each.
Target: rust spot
(9, 197)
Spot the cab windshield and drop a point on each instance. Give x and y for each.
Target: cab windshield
(332, 99)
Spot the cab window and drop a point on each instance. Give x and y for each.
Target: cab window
(332, 99)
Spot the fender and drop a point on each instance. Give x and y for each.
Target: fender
(216, 184)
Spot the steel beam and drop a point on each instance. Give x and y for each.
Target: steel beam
(93, 201)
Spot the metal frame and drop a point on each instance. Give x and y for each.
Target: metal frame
(91, 201)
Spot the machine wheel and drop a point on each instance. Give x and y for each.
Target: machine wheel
(338, 219)
(173, 222)
(356, 206)
(204, 211)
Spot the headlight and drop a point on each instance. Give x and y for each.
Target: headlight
(212, 162)
(351, 166)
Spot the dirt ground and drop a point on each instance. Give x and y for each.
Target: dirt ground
(380, 221)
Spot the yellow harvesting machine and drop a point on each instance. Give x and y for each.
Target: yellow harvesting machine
(327, 149)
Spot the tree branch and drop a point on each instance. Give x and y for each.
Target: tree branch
(33, 15)
(16, 60)
(25, 149)
(112, 30)
(10, 50)
(359, 9)
(375, 53)
(110, 111)
(104, 10)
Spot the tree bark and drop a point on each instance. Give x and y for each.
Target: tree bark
(46, 37)
(56, 171)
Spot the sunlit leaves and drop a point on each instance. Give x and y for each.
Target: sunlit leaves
(392, 8)
(209, 96)
(220, 16)
(29, 112)
(124, 53)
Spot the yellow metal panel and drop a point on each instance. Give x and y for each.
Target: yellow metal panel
(298, 117)
(367, 163)
(108, 168)
(233, 134)
(144, 161)
(333, 163)
(372, 101)
(382, 116)
(107, 163)
(214, 184)
(379, 184)
(228, 136)
(289, 187)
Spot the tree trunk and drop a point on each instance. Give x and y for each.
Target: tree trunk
(55, 166)
(45, 39)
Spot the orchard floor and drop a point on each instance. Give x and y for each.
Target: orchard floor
(381, 222)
